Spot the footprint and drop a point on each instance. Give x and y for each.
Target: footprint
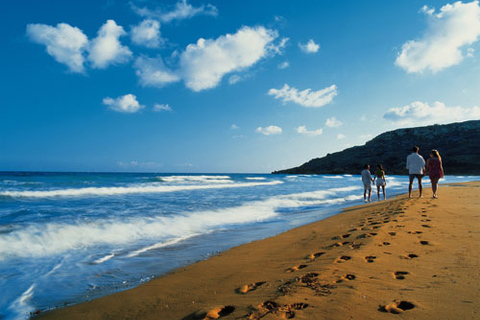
(346, 277)
(397, 307)
(343, 236)
(370, 259)
(410, 256)
(219, 312)
(426, 220)
(424, 243)
(296, 268)
(250, 287)
(400, 275)
(426, 226)
(308, 278)
(286, 311)
(385, 243)
(415, 232)
(313, 256)
(342, 259)
(392, 233)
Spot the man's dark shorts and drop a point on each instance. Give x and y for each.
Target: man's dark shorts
(418, 176)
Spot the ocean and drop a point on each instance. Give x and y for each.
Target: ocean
(66, 238)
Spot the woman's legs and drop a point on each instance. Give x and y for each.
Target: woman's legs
(384, 193)
(434, 181)
(378, 192)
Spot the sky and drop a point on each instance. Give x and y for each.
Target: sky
(212, 86)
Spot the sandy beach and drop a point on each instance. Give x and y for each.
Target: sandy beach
(397, 259)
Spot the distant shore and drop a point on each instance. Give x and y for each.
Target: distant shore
(413, 256)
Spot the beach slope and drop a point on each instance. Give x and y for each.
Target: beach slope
(399, 259)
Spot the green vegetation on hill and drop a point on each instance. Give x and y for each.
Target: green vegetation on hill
(458, 144)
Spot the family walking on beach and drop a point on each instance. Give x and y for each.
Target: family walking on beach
(417, 169)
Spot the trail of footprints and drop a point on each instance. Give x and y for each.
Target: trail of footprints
(321, 288)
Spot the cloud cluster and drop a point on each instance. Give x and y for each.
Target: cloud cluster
(182, 10)
(305, 98)
(69, 45)
(270, 130)
(147, 34)
(333, 122)
(455, 27)
(106, 48)
(421, 113)
(162, 107)
(309, 47)
(125, 104)
(203, 65)
(305, 131)
(66, 44)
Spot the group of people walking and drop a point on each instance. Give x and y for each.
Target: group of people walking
(417, 169)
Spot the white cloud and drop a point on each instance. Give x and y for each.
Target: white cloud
(303, 130)
(106, 48)
(126, 104)
(333, 122)
(270, 130)
(340, 136)
(234, 127)
(234, 79)
(66, 44)
(421, 113)
(309, 47)
(182, 11)
(162, 107)
(453, 28)
(147, 34)
(152, 72)
(305, 98)
(284, 65)
(205, 63)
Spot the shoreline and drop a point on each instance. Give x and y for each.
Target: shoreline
(413, 256)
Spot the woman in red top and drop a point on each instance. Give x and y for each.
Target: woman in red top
(435, 170)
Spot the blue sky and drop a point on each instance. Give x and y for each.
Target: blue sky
(225, 86)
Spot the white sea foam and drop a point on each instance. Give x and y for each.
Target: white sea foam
(333, 177)
(196, 179)
(22, 306)
(134, 189)
(162, 244)
(56, 238)
(256, 178)
(105, 258)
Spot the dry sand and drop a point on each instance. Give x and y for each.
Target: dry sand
(399, 259)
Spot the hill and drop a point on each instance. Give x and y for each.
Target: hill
(458, 144)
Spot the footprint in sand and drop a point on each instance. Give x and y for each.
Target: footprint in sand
(285, 311)
(415, 232)
(426, 226)
(365, 235)
(424, 243)
(386, 243)
(342, 259)
(392, 233)
(343, 236)
(250, 287)
(410, 256)
(370, 259)
(346, 277)
(215, 313)
(397, 307)
(400, 275)
(296, 268)
(313, 256)
(426, 220)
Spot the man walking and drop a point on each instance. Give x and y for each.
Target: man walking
(367, 183)
(416, 169)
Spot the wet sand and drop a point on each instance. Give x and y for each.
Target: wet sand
(397, 259)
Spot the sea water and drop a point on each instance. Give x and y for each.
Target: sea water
(66, 238)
